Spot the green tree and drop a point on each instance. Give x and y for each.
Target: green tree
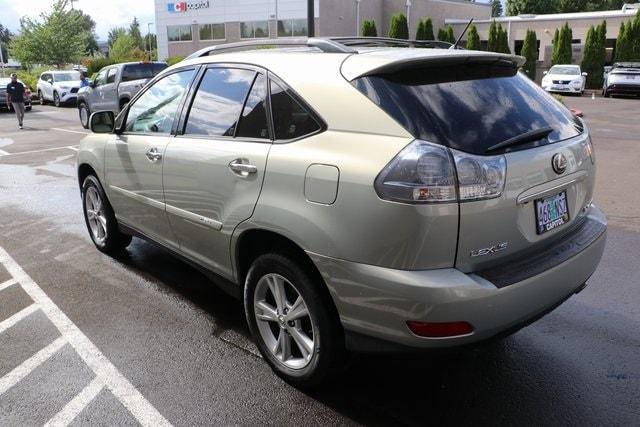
(5, 40)
(473, 39)
(562, 51)
(595, 55)
(503, 41)
(445, 34)
(399, 29)
(420, 30)
(496, 8)
(124, 49)
(492, 43)
(530, 53)
(114, 33)
(89, 27)
(134, 32)
(520, 7)
(369, 28)
(57, 38)
(428, 29)
(451, 37)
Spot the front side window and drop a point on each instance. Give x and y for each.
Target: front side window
(212, 32)
(156, 109)
(292, 28)
(101, 78)
(217, 103)
(290, 119)
(179, 33)
(254, 30)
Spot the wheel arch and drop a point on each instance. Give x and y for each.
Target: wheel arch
(84, 170)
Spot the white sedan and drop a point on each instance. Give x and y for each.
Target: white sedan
(564, 79)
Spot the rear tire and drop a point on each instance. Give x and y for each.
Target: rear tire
(100, 219)
(305, 351)
(84, 113)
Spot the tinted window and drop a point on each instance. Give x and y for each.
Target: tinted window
(218, 102)
(111, 75)
(141, 71)
(253, 122)
(290, 119)
(469, 107)
(156, 109)
(66, 77)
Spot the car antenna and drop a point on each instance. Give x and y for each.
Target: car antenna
(455, 45)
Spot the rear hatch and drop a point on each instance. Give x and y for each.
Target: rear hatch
(498, 127)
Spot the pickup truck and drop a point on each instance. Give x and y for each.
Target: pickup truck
(114, 86)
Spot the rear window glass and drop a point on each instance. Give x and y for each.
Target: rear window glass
(141, 71)
(290, 119)
(469, 107)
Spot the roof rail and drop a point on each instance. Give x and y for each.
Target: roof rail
(387, 41)
(324, 44)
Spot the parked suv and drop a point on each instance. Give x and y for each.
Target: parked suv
(114, 86)
(622, 79)
(360, 199)
(59, 87)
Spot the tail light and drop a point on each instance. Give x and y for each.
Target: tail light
(430, 173)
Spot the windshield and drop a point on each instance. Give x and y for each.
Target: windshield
(141, 71)
(66, 77)
(469, 107)
(565, 71)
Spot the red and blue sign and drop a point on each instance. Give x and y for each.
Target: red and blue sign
(177, 7)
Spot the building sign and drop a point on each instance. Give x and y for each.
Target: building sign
(185, 6)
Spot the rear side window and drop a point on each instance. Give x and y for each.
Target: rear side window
(253, 122)
(290, 119)
(218, 102)
(469, 107)
(141, 71)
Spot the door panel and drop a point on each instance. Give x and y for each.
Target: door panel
(205, 199)
(135, 184)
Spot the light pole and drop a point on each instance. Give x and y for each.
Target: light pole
(150, 43)
(311, 18)
(358, 18)
(408, 6)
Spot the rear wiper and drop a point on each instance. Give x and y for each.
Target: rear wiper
(532, 135)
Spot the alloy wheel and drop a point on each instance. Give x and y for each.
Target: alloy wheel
(284, 321)
(96, 215)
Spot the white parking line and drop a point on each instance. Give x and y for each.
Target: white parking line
(71, 147)
(70, 131)
(3, 153)
(42, 151)
(6, 324)
(104, 370)
(77, 405)
(5, 285)
(26, 367)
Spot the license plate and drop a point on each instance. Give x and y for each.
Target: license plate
(551, 212)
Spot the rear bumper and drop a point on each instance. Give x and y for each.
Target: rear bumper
(375, 302)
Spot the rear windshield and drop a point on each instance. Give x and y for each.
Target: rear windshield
(469, 107)
(141, 71)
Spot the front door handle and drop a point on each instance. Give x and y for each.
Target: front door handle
(242, 167)
(153, 154)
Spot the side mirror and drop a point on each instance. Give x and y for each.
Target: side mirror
(50, 81)
(102, 122)
(585, 74)
(92, 84)
(545, 73)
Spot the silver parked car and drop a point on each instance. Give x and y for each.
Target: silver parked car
(622, 79)
(357, 197)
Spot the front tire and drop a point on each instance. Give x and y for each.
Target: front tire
(292, 321)
(100, 219)
(56, 99)
(41, 98)
(83, 112)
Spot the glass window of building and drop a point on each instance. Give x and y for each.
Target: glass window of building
(212, 32)
(179, 33)
(292, 28)
(254, 30)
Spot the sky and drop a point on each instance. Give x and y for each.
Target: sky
(106, 13)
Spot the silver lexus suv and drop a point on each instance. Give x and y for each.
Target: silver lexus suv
(358, 197)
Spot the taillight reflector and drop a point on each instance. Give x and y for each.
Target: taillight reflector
(439, 330)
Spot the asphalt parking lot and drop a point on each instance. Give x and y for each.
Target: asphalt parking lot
(87, 339)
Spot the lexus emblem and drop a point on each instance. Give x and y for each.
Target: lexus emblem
(559, 163)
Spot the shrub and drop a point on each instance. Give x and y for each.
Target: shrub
(530, 53)
(425, 30)
(172, 60)
(562, 52)
(97, 64)
(473, 39)
(399, 29)
(369, 28)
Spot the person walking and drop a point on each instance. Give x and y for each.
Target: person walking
(15, 96)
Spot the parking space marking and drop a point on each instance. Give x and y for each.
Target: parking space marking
(26, 367)
(104, 370)
(77, 404)
(71, 147)
(6, 324)
(70, 131)
(42, 151)
(5, 285)
(3, 153)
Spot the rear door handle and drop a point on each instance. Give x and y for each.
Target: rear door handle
(153, 154)
(241, 168)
